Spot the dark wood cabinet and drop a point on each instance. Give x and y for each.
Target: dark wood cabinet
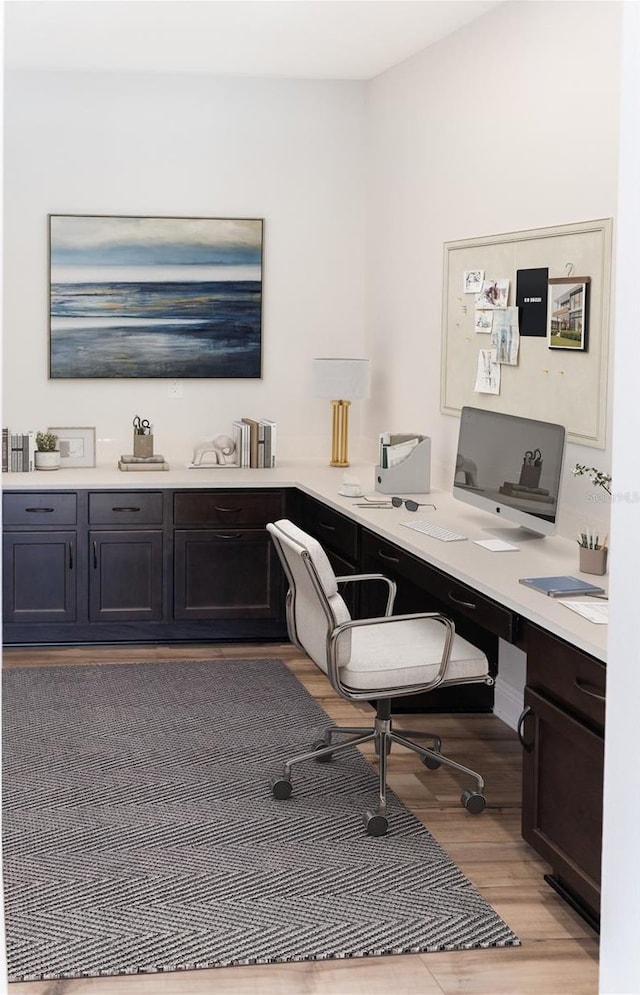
(226, 574)
(40, 558)
(225, 565)
(126, 580)
(39, 577)
(562, 731)
(125, 576)
(144, 565)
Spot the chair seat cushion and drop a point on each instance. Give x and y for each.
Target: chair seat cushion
(404, 653)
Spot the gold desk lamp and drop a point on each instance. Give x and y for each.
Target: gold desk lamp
(342, 381)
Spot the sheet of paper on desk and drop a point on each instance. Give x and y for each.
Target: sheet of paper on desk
(595, 611)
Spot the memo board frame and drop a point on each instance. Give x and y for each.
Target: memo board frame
(569, 388)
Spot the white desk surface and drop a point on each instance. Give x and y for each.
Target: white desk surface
(494, 574)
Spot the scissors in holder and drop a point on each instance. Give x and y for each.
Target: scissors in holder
(141, 426)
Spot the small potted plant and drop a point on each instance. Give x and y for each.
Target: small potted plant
(47, 455)
(593, 548)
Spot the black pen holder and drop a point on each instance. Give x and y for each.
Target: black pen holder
(530, 475)
(142, 445)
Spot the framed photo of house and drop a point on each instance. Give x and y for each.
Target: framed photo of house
(568, 313)
(142, 297)
(77, 446)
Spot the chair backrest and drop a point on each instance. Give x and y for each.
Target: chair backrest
(314, 606)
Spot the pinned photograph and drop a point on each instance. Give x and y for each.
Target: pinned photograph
(568, 313)
(484, 321)
(473, 280)
(494, 294)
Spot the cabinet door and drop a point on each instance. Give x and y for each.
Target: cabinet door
(562, 795)
(125, 576)
(39, 577)
(226, 574)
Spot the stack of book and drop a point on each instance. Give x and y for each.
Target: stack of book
(255, 442)
(18, 450)
(136, 463)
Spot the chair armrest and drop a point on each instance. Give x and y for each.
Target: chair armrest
(392, 587)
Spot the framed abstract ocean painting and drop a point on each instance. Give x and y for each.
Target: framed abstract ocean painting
(138, 297)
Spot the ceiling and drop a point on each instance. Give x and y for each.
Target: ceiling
(317, 39)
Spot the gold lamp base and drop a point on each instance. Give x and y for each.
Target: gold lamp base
(340, 433)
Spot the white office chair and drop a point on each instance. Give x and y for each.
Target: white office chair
(372, 659)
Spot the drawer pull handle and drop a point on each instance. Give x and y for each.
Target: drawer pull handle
(95, 555)
(231, 535)
(523, 715)
(124, 507)
(592, 694)
(70, 556)
(461, 603)
(385, 556)
(38, 510)
(227, 510)
(325, 525)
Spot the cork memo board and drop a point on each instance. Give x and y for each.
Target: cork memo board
(562, 386)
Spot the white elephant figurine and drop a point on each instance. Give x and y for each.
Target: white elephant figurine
(220, 451)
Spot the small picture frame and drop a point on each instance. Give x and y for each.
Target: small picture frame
(568, 313)
(77, 446)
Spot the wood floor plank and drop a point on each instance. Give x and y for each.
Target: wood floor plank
(559, 953)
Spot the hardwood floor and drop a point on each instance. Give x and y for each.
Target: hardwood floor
(559, 952)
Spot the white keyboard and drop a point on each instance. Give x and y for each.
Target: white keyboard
(435, 531)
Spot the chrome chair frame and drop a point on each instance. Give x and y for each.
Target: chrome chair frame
(381, 733)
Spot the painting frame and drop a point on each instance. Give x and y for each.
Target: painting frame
(77, 446)
(568, 313)
(155, 297)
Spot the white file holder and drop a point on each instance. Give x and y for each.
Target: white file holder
(412, 476)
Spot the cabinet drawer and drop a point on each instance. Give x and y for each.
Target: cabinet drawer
(333, 530)
(125, 507)
(574, 680)
(50, 508)
(381, 556)
(227, 508)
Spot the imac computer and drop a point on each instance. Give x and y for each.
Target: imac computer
(512, 467)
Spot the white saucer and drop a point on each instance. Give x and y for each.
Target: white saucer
(350, 494)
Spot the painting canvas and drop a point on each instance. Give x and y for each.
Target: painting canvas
(155, 297)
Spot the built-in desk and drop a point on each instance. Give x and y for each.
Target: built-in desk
(96, 554)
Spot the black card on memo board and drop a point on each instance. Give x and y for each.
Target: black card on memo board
(531, 299)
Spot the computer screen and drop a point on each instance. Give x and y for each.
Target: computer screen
(510, 466)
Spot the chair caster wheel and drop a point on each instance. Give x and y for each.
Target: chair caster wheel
(321, 745)
(376, 825)
(281, 788)
(432, 763)
(473, 801)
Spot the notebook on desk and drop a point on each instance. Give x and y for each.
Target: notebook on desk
(561, 587)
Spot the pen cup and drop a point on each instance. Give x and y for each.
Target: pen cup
(142, 445)
(593, 561)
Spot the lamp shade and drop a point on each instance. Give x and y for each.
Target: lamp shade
(341, 379)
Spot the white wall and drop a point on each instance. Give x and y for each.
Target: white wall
(288, 151)
(620, 950)
(511, 123)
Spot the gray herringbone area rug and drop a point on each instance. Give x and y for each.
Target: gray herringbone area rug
(140, 833)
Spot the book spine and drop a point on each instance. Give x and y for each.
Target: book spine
(252, 427)
(269, 442)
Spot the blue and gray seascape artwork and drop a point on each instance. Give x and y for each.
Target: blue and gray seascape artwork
(155, 297)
